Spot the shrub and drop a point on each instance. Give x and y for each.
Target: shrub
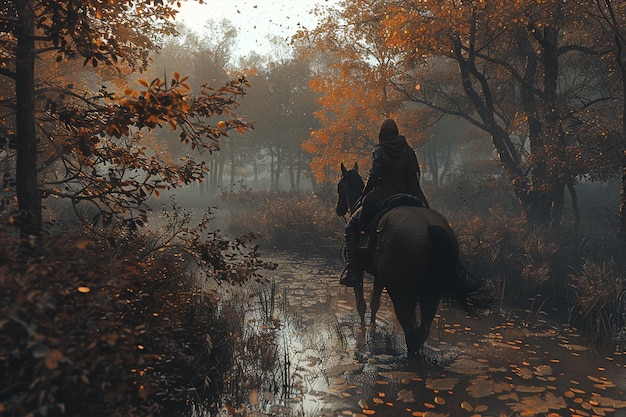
(573, 275)
(593, 291)
(116, 324)
(286, 221)
(493, 247)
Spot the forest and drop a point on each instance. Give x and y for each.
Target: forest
(144, 162)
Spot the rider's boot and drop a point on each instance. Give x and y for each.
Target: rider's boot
(354, 273)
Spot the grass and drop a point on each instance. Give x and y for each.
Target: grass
(285, 221)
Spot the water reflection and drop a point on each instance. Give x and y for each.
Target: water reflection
(510, 364)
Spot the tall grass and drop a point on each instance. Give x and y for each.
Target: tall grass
(593, 290)
(285, 221)
(573, 274)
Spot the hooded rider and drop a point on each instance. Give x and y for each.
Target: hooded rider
(395, 170)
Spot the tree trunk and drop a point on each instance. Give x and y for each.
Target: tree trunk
(292, 176)
(232, 170)
(211, 174)
(621, 65)
(255, 170)
(311, 175)
(277, 169)
(431, 150)
(214, 174)
(298, 170)
(446, 164)
(272, 168)
(575, 209)
(28, 193)
(621, 222)
(206, 185)
(220, 177)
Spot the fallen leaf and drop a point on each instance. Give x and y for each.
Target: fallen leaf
(537, 404)
(82, 244)
(406, 396)
(480, 388)
(529, 389)
(52, 359)
(543, 370)
(445, 384)
(467, 406)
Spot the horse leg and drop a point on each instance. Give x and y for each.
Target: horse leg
(360, 302)
(428, 308)
(404, 307)
(375, 301)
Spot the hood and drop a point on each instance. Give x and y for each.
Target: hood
(394, 146)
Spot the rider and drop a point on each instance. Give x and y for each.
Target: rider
(394, 170)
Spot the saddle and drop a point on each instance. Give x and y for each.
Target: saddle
(368, 234)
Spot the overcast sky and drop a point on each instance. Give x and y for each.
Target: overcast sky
(255, 20)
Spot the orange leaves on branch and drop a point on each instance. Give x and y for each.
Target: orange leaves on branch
(105, 131)
(354, 85)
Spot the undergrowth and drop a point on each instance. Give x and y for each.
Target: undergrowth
(572, 275)
(119, 323)
(286, 221)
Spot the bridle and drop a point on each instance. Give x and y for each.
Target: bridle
(343, 189)
(342, 197)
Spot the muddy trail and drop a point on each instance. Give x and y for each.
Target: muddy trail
(510, 363)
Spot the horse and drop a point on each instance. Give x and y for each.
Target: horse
(415, 256)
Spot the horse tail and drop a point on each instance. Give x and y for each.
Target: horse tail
(458, 287)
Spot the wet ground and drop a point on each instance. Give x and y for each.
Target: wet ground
(508, 364)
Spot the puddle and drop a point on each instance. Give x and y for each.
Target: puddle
(507, 364)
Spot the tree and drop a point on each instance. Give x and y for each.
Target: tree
(282, 105)
(95, 138)
(70, 29)
(352, 66)
(104, 161)
(205, 58)
(610, 15)
(286, 119)
(508, 59)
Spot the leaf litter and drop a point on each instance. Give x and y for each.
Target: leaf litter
(507, 370)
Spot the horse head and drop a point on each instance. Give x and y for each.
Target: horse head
(349, 189)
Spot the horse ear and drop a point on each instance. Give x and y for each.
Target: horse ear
(356, 167)
(343, 168)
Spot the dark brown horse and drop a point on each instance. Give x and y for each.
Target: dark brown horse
(416, 257)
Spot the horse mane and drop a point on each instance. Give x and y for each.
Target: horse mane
(354, 184)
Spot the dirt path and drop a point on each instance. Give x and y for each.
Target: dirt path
(508, 364)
